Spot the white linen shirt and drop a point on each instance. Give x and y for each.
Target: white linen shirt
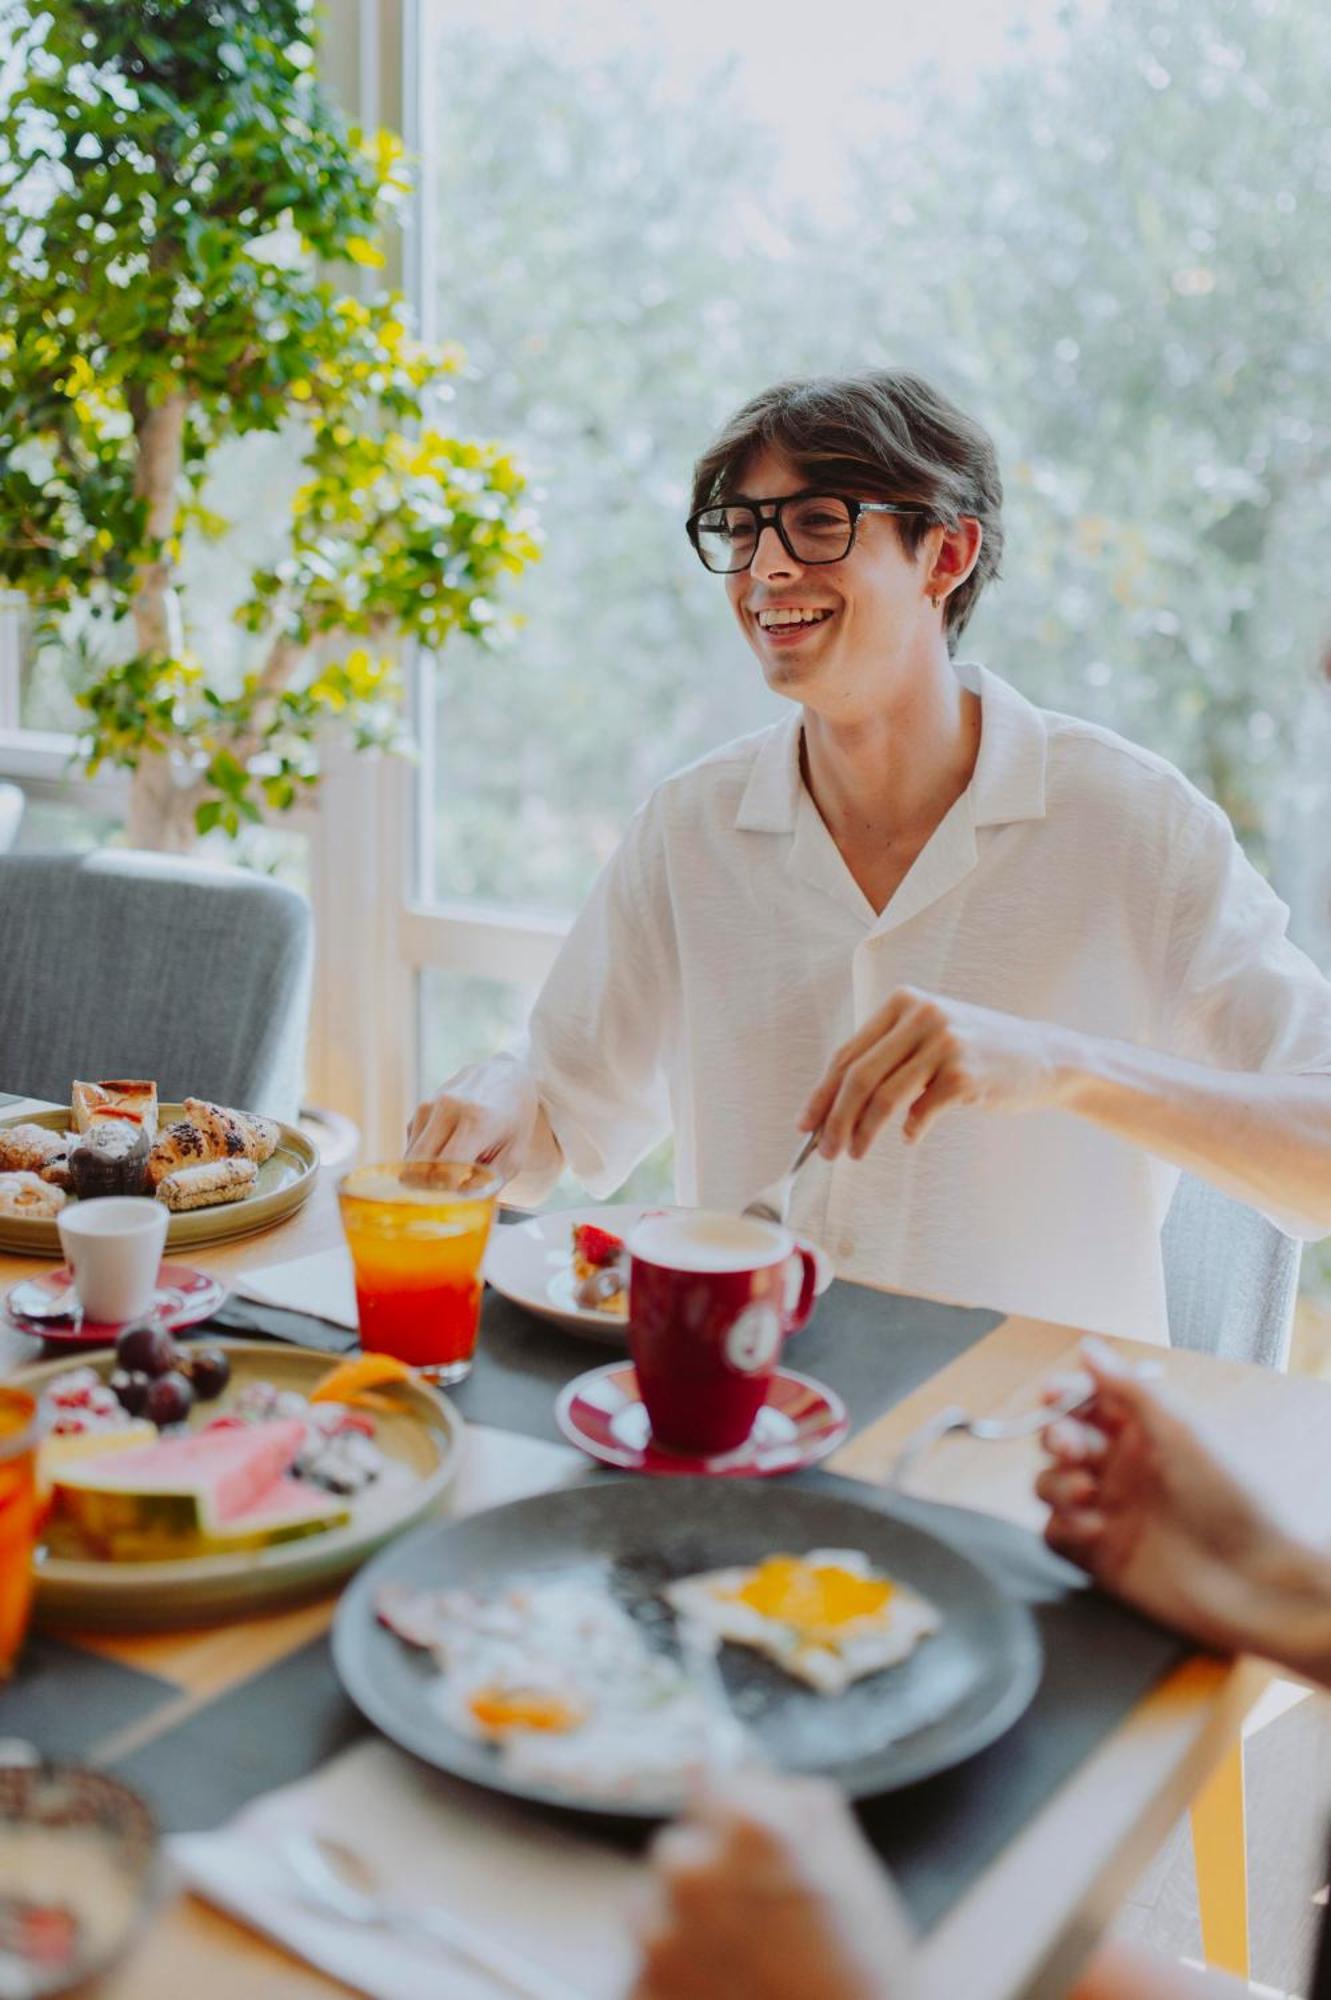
(726, 951)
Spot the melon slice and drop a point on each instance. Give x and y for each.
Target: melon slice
(287, 1512)
(180, 1489)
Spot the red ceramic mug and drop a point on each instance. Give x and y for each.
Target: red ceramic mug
(712, 1297)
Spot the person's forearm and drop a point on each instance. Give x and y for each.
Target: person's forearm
(1290, 1618)
(1266, 1139)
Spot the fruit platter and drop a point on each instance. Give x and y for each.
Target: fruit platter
(184, 1482)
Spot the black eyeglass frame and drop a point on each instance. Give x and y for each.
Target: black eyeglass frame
(768, 513)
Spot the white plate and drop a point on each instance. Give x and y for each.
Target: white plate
(531, 1264)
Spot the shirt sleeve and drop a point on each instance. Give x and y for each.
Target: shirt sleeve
(602, 1026)
(1241, 995)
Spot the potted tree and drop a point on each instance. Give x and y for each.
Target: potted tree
(173, 181)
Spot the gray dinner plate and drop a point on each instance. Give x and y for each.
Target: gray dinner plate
(959, 1691)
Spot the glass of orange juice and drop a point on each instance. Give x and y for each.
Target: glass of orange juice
(417, 1231)
(20, 1429)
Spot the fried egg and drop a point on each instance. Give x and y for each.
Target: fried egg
(828, 1618)
(560, 1680)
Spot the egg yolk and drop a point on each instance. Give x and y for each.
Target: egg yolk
(813, 1598)
(502, 1709)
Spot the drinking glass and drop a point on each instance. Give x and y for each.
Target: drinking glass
(417, 1231)
(20, 1430)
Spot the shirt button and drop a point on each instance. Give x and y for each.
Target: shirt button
(845, 1246)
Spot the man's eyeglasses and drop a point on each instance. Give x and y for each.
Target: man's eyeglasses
(811, 527)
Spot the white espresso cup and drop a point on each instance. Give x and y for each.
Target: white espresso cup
(114, 1245)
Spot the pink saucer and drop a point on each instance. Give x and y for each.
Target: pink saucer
(603, 1414)
(183, 1297)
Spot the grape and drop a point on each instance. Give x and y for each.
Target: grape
(169, 1399)
(209, 1371)
(146, 1350)
(131, 1390)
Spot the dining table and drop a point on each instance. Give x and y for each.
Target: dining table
(1033, 1907)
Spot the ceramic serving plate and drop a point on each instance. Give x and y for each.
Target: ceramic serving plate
(961, 1690)
(422, 1434)
(531, 1263)
(285, 1182)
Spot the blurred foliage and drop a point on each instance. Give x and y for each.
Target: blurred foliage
(171, 179)
(1116, 255)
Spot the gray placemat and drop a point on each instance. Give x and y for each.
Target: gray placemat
(938, 1837)
(872, 1347)
(66, 1701)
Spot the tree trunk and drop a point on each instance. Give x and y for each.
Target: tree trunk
(158, 817)
(161, 811)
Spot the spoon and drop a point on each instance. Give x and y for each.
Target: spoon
(340, 1880)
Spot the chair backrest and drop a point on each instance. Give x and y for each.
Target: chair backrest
(11, 812)
(124, 964)
(1230, 1277)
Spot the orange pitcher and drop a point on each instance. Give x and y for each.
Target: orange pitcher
(19, 1515)
(417, 1232)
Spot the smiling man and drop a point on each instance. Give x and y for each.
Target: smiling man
(1015, 968)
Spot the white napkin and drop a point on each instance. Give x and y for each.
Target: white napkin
(543, 1889)
(321, 1285)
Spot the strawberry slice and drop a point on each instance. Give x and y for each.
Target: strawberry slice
(597, 1247)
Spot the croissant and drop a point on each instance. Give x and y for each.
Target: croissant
(33, 1149)
(236, 1134)
(181, 1145)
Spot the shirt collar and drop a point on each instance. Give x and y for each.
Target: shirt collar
(1007, 783)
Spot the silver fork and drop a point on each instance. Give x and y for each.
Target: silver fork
(989, 1430)
(773, 1204)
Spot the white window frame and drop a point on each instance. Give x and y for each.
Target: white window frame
(377, 932)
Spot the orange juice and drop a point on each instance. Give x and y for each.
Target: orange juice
(417, 1233)
(18, 1518)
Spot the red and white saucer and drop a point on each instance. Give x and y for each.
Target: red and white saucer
(604, 1415)
(183, 1297)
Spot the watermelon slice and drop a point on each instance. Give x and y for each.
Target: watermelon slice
(180, 1489)
(287, 1512)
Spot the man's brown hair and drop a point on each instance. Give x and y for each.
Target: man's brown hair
(884, 435)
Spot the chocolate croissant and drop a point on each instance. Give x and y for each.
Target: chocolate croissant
(240, 1135)
(181, 1145)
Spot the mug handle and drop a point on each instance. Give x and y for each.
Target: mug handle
(804, 1305)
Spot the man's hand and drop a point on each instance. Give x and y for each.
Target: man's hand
(486, 1114)
(922, 1052)
(766, 1891)
(1143, 1502)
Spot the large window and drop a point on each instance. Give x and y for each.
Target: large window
(1103, 227)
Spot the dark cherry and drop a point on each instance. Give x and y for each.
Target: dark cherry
(146, 1350)
(209, 1371)
(169, 1400)
(130, 1390)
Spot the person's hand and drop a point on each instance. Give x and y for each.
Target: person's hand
(767, 1891)
(485, 1114)
(921, 1053)
(1143, 1502)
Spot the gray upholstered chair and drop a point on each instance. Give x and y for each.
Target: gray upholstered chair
(11, 812)
(126, 964)
(1230, 1277)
